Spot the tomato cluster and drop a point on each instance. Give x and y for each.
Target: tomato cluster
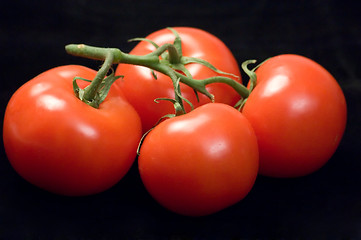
(195, 163)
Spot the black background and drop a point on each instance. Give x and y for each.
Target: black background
(323, 205)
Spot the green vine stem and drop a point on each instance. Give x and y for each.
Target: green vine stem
(152, 60)
(108, 61)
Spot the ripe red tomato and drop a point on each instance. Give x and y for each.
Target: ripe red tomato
(141, 88)
(298, 112)
(60, 144)
(201, 162)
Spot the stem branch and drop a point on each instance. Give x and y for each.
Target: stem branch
(91, 91)
(152, 61)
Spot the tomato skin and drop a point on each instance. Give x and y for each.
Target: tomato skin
(298, 112)
(201, 162)
(140, 87)
(60, 144)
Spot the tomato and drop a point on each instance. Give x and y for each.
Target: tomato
(62, 145)
(201, 162)
(141, 88)
(298, 112)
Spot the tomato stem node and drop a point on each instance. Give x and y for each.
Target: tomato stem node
(252, 80)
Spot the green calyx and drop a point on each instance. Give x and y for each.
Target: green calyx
(252, 80)
(94, 94)
(166, 59)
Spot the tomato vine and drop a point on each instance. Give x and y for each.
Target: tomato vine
(166, 59)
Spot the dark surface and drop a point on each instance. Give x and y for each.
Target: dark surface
(323, 205)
